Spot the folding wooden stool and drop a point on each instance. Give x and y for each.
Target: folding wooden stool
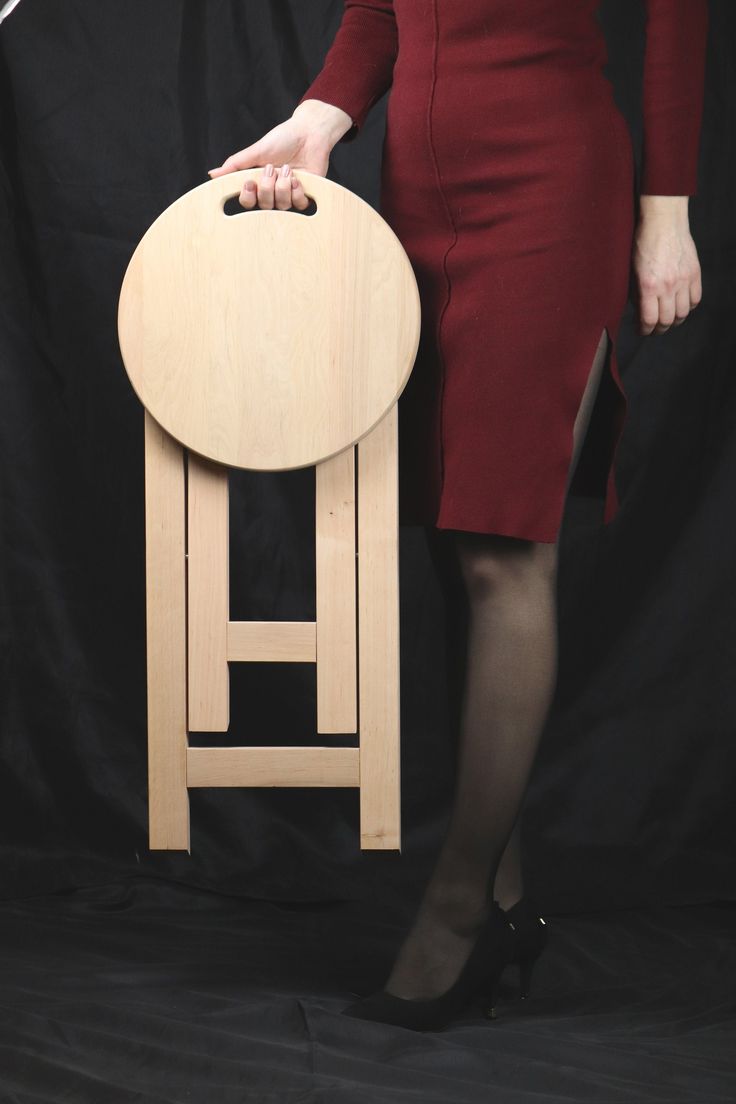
(271, 340)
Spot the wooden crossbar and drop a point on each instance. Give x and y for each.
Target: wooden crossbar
(273, 766)
(272, 641)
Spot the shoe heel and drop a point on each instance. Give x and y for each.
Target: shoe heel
(526, 967)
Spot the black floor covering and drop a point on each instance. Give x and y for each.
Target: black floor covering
(152, 991)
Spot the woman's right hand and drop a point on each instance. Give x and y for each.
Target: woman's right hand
(303, 141)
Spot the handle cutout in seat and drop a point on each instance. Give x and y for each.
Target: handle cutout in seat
(232, 207)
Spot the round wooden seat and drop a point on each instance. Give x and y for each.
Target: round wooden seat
(269, 339)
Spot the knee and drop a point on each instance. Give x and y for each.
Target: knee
(494, 564)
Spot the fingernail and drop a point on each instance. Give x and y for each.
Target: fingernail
(213, 170)
(285, 170)
(269, 170)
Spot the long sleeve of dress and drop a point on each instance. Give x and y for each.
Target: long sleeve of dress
(673, 93)
(359, 64)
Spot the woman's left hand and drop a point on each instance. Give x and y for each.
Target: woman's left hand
(665, 263)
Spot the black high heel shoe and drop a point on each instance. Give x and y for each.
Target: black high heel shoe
(530, 939)
(479, 976)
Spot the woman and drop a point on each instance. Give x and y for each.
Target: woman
(508, 176)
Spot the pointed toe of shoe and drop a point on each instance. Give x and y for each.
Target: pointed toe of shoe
(372, 1007)
(383, 1007)
(355, 1009)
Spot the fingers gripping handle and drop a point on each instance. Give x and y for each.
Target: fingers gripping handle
(229, 187)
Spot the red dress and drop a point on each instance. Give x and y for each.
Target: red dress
(508, 177)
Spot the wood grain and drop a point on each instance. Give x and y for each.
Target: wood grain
(208, 593)
(273, 766)
(272, 641)
(378, 636)
(336, 599)
(168, 800)
(269, 340)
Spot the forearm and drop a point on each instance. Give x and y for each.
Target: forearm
(358, 67)
(673, 94)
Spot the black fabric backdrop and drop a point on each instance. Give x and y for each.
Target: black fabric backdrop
(130, 975)
(109, 112)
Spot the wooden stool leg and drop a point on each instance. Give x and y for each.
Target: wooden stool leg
(378, 635)
(337, 660)
(168, 798)
(208, 581)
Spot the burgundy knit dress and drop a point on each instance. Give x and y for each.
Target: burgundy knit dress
(508, 177)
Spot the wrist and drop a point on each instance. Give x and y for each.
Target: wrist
(327, 118)
(664, 208)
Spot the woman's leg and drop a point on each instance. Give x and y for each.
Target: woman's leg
(508, 886)
(511, 667)
(509, 586)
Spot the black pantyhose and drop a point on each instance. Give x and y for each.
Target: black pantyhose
(502, 595)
